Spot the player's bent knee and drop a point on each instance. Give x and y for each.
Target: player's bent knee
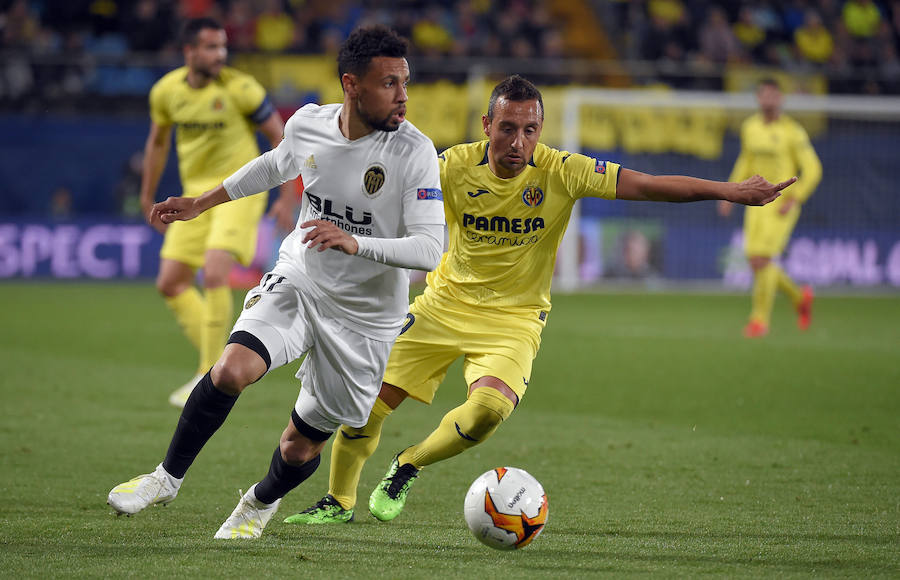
(170, 289)
(174, 278)
(215, 279)
(236, 369)
(216, 274)
(229, 377)
(217, 267)
(759, 262)
(493, 400)
(251, 343)
(486, 409)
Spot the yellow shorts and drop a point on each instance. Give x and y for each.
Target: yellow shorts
(438, 331)
(766, 231)
(230, 226)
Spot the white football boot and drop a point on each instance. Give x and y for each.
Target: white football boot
(157, 488)
(249, 518)
(180, 396)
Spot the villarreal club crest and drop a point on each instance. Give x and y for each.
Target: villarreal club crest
(533, 196)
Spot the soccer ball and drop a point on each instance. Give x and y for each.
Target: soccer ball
(506, 508)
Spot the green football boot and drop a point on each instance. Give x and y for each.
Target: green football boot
(389, 496)
(326, 511)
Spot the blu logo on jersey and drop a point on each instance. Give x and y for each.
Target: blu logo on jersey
(600, 166)
(326, 208)
(429, 193)
(533, 196)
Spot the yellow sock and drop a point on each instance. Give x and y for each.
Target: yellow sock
(216, 323)
(786, 285)
(349, 452)
(188, 310)
(765, 283)
(463, 427)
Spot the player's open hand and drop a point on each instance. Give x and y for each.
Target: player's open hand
(758, 191)
(174, 209)
(325, 234)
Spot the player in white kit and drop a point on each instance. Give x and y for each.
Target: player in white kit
(372, 194)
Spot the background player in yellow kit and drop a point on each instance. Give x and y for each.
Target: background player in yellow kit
(215, 111)
(507, 202)
(775, 146)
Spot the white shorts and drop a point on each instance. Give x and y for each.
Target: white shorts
(341, 375)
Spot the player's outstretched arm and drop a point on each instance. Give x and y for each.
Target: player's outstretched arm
(187, 208)
(637, 186)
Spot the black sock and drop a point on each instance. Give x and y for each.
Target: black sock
(203, 414)
(283, 477)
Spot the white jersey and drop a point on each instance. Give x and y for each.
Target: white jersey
(375, 186)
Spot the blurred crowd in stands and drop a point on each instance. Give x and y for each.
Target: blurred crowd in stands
(52, 47)
(842, 38)
(48, 46)
(490, 28)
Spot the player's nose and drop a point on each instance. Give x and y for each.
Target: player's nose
(519, 140)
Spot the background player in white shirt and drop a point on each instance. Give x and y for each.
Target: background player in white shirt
(372, 191)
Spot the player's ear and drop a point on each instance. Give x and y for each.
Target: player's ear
(486, 124)
(348, 83)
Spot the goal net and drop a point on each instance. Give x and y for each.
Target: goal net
(849, 231)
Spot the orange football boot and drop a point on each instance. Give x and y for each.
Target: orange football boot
(755, 329)
(804, 309)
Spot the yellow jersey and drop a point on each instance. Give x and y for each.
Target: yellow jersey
(504, 233)
(778, 151)
(215, 126)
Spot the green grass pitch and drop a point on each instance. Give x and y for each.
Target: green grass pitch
(667, 443)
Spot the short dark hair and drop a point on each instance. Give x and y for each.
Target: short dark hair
(515, 88)
(366, 43)
(768, 82)
(193, 27)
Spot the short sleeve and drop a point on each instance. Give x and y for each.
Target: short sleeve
(442, 164)
(159, 113)
(423, 200)
(585, 176)
(251, 98)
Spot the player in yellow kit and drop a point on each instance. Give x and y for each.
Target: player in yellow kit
(507, 202)
(215, 111)
(776, 147)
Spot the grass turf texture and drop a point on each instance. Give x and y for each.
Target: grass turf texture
(667, 444)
